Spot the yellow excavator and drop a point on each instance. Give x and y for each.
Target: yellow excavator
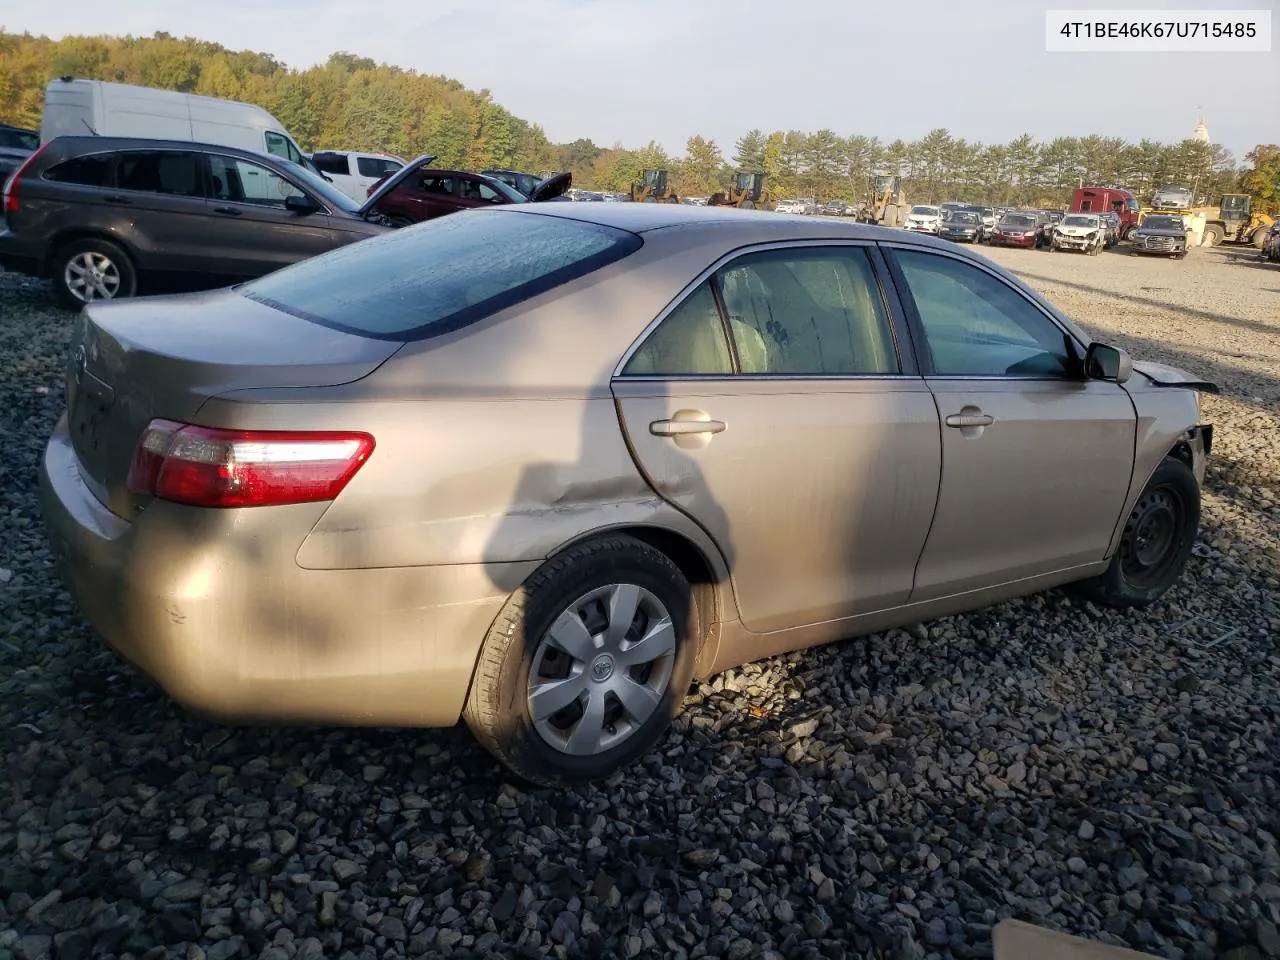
(886, 204)
(748, 192)
(653, 188)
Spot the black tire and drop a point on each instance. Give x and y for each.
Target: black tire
(748, 204)
(398, 222)
(497, 707)
(1212, 237)
(118, 273)
(1135, 578)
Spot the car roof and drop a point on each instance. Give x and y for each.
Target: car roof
(82, 145)
(753, 226)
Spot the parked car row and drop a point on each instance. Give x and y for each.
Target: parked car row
(103, 216)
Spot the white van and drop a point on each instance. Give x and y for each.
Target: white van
(74, 107)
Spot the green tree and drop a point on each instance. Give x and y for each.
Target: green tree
(748, 152)
(698, 173)
(1262, 179)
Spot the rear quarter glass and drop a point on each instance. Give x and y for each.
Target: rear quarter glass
(440, 275)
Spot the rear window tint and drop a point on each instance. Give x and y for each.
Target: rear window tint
(440, 275)
(94, 170)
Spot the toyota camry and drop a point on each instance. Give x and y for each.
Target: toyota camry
(540, 466)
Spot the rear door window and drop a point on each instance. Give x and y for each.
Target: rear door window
(169, 172)
(92, 171)
(442, 274)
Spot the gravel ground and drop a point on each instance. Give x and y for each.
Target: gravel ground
(1109, 774)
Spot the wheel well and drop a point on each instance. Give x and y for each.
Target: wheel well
(71, 236)
(1181, 451)
(692, 563)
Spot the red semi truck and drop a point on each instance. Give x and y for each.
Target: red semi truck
(1103, 199)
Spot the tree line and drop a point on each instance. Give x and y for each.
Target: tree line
(351, 102)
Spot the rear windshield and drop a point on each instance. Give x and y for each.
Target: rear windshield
(440, 275)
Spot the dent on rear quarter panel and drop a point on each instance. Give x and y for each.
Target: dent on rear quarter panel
(458, 481)
(1164, 415)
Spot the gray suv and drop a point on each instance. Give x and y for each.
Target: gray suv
(103, 216)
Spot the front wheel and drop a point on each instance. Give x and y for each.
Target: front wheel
(1157, 540)
(1259, 238)
(586, 664)
(85, 271)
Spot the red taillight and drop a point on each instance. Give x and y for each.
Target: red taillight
(208, 467)
(11, 186)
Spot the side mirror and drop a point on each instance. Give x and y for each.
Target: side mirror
(1105, 362)
(300, 203)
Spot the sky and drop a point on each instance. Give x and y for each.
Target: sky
(628, 71)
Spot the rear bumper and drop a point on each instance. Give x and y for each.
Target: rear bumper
(230, 626)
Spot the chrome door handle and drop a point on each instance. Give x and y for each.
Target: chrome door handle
(970, 420)
(680, 428)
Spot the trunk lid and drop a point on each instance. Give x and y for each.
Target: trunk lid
(134, 360)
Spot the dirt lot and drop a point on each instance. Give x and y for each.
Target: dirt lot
(1110, 774)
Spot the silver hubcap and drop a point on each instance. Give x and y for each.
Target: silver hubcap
(92, 276)
(601, 670)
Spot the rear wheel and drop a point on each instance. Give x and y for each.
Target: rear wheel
(398, 221)
(85, 271)
(1157, 540)
(748, 204)
(586, 664)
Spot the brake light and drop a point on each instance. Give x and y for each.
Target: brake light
(11, 186)
(209, 467)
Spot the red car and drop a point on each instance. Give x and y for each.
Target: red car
(1015, 230)
(418, 192)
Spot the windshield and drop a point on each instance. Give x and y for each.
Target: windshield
(327, 191)
(964, 216)
(1163, 223)
(1080, 222)
(925, 211)
(1018, 221)
(440, 275)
